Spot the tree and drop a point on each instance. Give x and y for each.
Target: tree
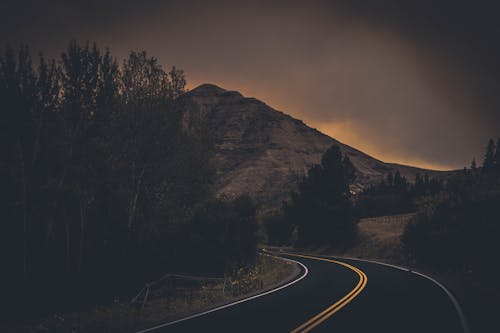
(489, 155)
(278, 229)
(465, 211)
(489, 172)
(322, 207)
(400, 183)
(473, 165)
(390, 179)
(149, 121)
(496, 158)
(97, 171)
(223, 235)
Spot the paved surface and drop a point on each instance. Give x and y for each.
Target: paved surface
(391, 301)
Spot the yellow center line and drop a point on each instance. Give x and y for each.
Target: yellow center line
(328, 312)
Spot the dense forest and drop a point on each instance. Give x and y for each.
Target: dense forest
(105, 185)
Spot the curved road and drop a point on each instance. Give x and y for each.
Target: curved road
(337, 295)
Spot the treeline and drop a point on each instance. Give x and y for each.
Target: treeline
(396, 195)
(103, 181)
(321, 210)
(324, 211)
(458, 228)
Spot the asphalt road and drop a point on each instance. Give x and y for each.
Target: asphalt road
(357, 297)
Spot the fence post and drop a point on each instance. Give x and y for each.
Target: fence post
(145, 296)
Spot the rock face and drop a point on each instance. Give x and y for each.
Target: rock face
(264, 153)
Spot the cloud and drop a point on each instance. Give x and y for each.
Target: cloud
(373, 76)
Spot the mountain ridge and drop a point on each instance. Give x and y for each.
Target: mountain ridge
(264, 152)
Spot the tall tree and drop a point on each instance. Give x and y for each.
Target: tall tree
(95, 161)
(150, 120)
(496, 158)
(321, 208)
(489, 155)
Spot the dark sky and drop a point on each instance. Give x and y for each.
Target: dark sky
(413, 82)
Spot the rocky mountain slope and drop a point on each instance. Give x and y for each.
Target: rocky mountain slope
(264, 152)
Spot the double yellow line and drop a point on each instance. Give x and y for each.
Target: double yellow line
(328, 312)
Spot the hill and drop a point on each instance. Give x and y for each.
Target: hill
(264, 152)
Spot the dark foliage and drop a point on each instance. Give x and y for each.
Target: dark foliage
(223, 235)
(395, 195)
(322, 210)
(278, 230)
(457, 229)
(100, 178)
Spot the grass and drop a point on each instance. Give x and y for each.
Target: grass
(172, 300)
(380, 238)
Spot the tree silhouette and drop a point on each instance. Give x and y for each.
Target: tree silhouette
(489, 155)
(496, 157)
(100, 178)
(223, 235)
(456, 228)
(322, 208)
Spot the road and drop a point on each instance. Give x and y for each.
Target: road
(337, 295)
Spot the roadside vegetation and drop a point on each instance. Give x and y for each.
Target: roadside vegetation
(324, 213)
(445, 227)
(379, 238)
(457, 228)
(170, 300)
(455, 235)
(444, 224)
(106, 183)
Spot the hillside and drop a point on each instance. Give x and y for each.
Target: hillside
(264, 152)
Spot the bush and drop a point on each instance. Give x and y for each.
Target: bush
(278, 229)
(223, 235)
(455, 232)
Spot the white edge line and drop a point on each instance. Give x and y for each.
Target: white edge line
(461, 315)
(306, 271)
(456, 304)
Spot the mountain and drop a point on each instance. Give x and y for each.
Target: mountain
(264, 152)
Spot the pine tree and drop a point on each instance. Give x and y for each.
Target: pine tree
(489, 156)
(473, 165)
(473, 169)
(390, 179)
(496, 157)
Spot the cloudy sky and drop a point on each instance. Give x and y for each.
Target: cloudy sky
(414, 82)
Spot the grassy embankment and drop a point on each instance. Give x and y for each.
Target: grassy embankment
(172, 300)
(380, 238)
